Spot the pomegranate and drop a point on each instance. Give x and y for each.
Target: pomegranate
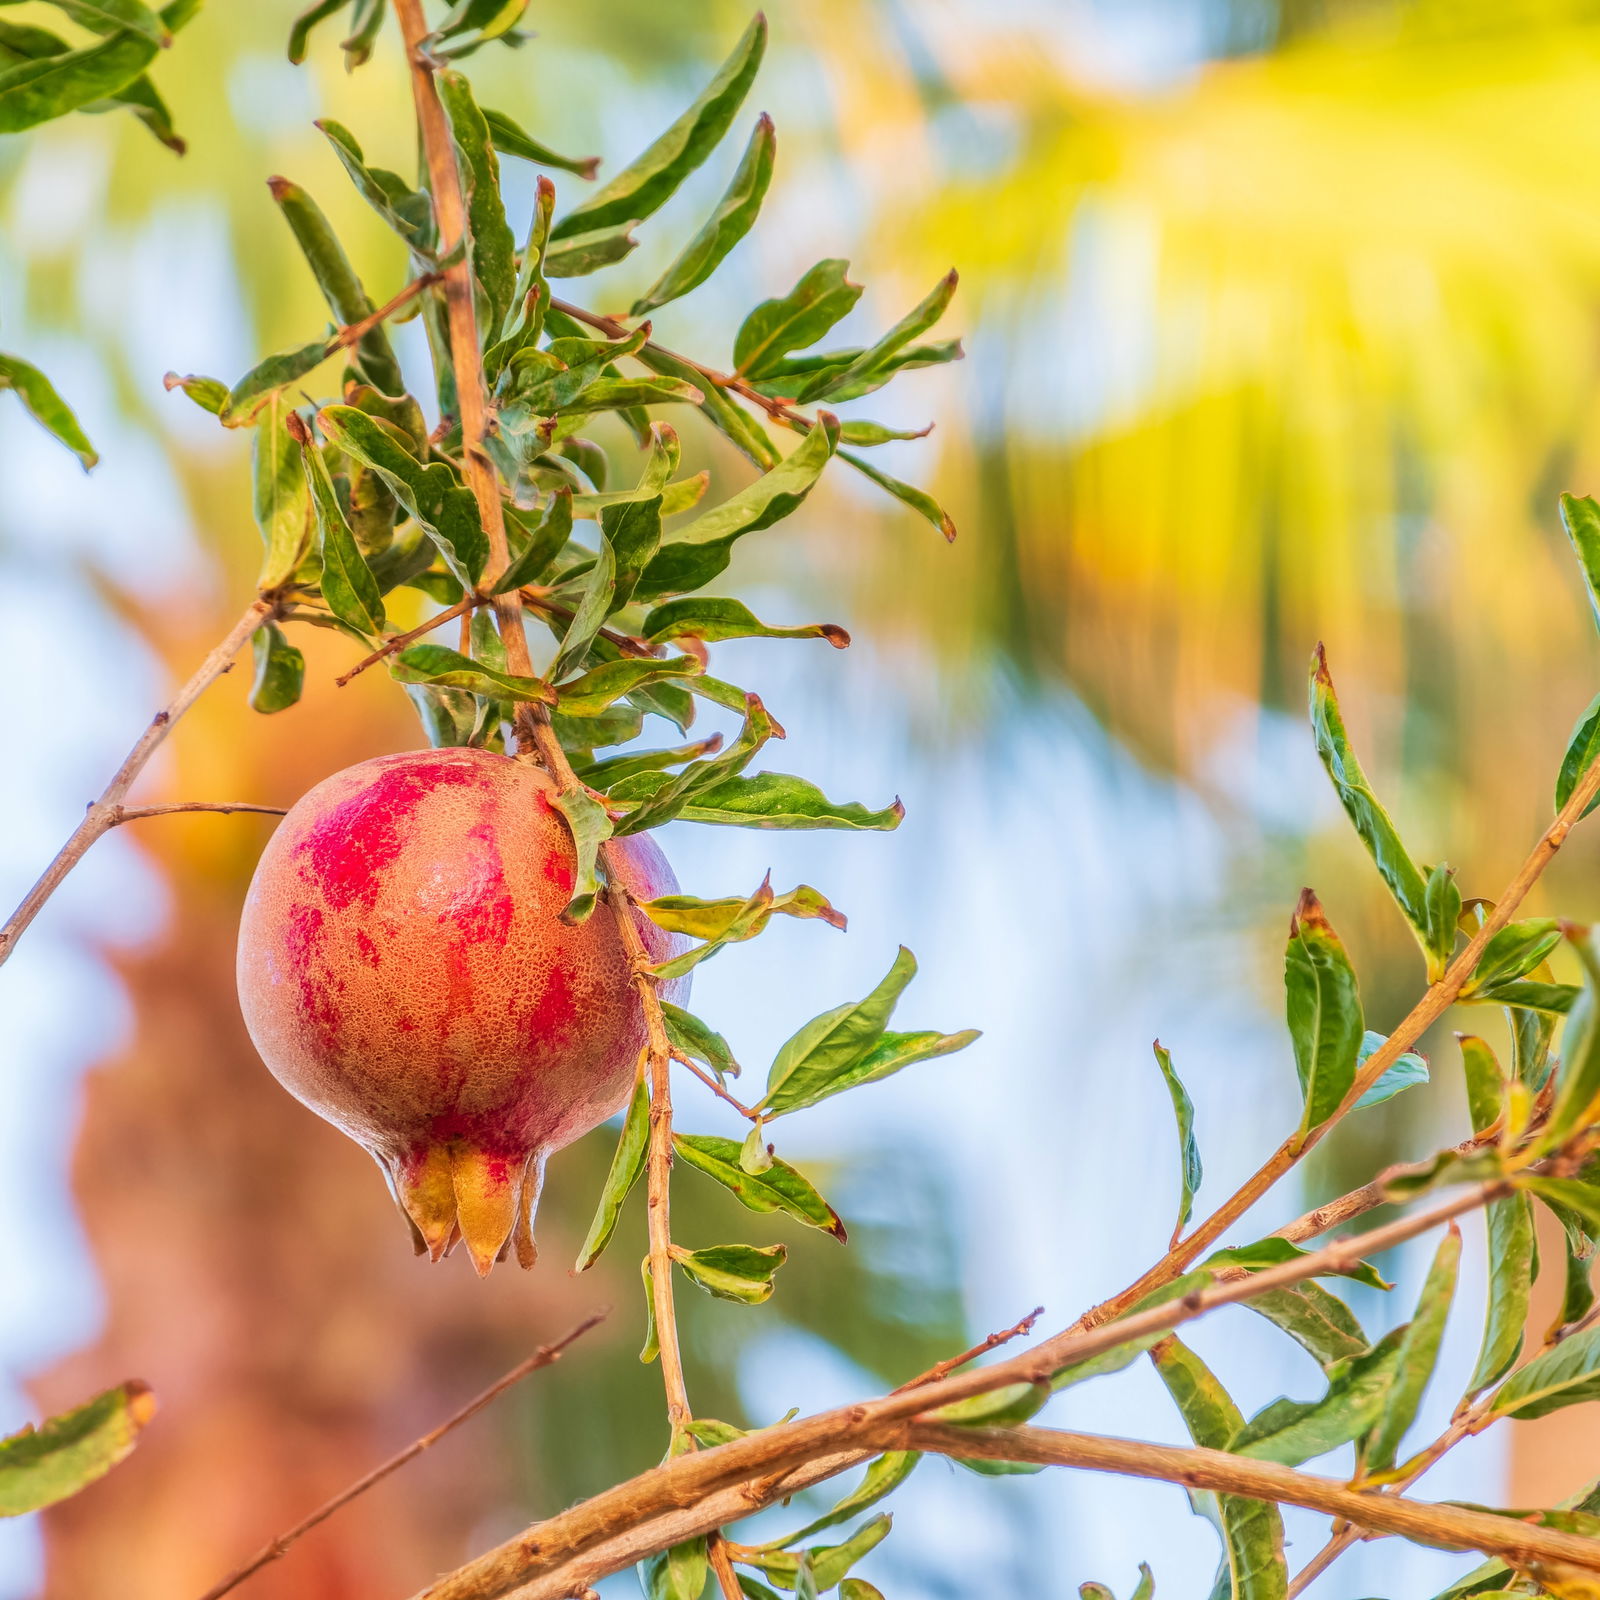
(405, 972)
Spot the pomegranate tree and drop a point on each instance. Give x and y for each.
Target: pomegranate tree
(405, 971)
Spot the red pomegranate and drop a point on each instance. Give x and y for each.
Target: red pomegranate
(405, 972)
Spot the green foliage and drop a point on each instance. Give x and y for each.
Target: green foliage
(45, 406)
(1189, 1168)
(1324, 1006)
(42, 1465)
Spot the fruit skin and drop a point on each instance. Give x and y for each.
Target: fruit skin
(404, 971)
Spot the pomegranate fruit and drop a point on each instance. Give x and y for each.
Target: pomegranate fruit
(405, 972)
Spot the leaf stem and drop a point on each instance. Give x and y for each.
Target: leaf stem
(102, 815)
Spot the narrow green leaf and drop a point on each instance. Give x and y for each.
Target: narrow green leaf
(1419, 1353)
(512, 140)
(1125, 1354)
(732, 219)
(406, 210)
(882, 1477)
(268, 379)
(692, 1036)
(702, 617)
(647, 182)
(1442, 904)
(1511, 1253)
(367, 24)
(443, 667)
(1324, 1011)
(627, 1162)
(47, 87)
(1512, 953)
(494, 247)
(919, 500)
(1189, 1168)
(590, 828)
(741, 1272)
(632, 531)
(448, 716)
(46, 407)
(1252, 1530)
(1294, 1431)
(431, 493)
(374, 356)
(581, 254)
(1580, 516)
(1276, 1252)
(731, 420)
(1366, 813)
(860, 1589)
(998, 1408)
(1320, 1322)
(778, 1187)
(820, 299)
(876, 357)
(1559, 1377)
(300, 30)
(593, 605)
(282, 497)
(1582, 747)
(1486, 1083)
(676, 1574)
(864, 435)
(601, 687)
(210, 394)
(42, 1465)
(776, 800)
(347, 582)
(280, 670)
(1578, 1075)
(785, 378)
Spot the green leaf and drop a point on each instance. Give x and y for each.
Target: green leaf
(732, 219)
(626, 1164)
(731, 921)
(1512, 953)
(1551, 999)
(280, 670)
(1578, 1076)
(268, 379)
(919, 500)
(1511, 1255)
(647, 182)
(1442, 904)
(1293, 1431)
(1189, 1168)
(593, 606)
(367, 25)
(860, 1589)
(1582, 747)
(42, 1465)
(443, 667)
(300, 30)
(776, 800)
(602, 686)
(701, 549)
(431, 493)
(1276, 1252)
(46, 407)
(601, 774)
(692, 1036)
(1486, 1083)
(1404, 1072)
(709, 1432)
(1320, 1322)
(405, 209)
(882, 1477)
(632, 531)
(590, 828)
(348, 586)
(741, 1272)
(1580, 516)
(1004, 1407)
(823, 1566)
(785, 378)
(620, 394)
(374, 356)
(113, 16)
(875, 358)
(864, 434)
(1559, 1377)
(1419, 1353)
(39, 90)
(702, 617)
(511, 140)
(494, 247)
(1324, 1012)
(210, 394)
(779, 1187)
(448, 716)
(1365, 811)
(546, 539)
(1252, 1530)
(676, 1574)
(821, 298)
(584, 253)
(728, 418)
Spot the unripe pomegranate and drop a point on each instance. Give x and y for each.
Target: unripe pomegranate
(405, 972)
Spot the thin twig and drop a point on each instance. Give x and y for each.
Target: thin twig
(582, 1541)
(544, 1356)
(1437, 999)
(101, 816)
(225, 807)
(353, 333)
(715, 1087)
(941, 1369)
(411, 635)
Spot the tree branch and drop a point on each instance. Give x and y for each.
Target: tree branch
(102, 815)
(544, 1356)
(226, 807)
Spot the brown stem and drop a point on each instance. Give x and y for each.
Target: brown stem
(625, 642)
(544, 1356)
(722, 1565)
(101, 816)
(635, 1518)
(460, 609)
(226, 807)
(353, 333)
(1454, 1527)
(466, 359)
(941, 1369)
(1437, 999)
(715, 1087)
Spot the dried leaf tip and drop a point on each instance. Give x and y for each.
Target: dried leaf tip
(1308, 914)
(141, 1399)
(1574, 932)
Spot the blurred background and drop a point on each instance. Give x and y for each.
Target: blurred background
(1283, 324)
